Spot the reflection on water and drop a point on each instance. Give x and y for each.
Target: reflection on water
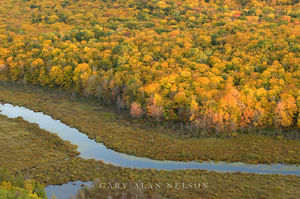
(67, 190)
(88, 148)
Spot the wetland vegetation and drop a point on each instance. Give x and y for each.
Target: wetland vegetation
(57, 169)
(44, 157)
(105, 126)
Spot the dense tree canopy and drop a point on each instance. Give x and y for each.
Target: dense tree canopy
(218, 65)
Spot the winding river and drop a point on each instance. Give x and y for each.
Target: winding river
(89, 148)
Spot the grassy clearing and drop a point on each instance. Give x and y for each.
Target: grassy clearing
(105, 126)
(28, 150)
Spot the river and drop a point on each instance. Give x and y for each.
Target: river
(90, 149)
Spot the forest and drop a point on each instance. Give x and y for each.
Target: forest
(149, 91)
(215, 66)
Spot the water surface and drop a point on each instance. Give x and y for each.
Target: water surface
(67, 190)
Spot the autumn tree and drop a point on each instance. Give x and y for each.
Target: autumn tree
(135, 110)
(155, 109)
(81, 76)
(285, 112)
(3, 72)
(219, 66)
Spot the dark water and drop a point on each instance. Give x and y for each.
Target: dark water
(88, 148)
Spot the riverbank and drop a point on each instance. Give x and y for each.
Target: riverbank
(90, 149)
(49, 160)
(105, 126)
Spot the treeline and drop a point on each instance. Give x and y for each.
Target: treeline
(219, 66)
(16, 186)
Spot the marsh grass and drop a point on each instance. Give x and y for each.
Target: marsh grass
(108, 127)
(29, 145)
(29, 151)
